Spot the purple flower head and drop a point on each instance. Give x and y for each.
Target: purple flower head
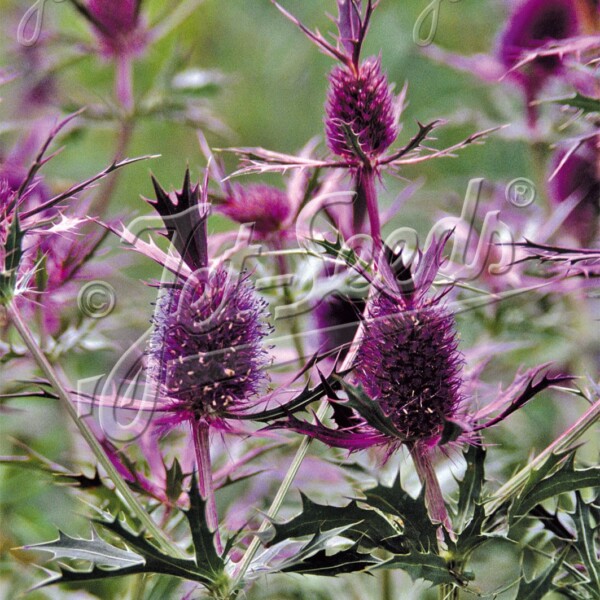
(266, 206)
(117, 25)
(205, 353)
(360, 111)
(410, 365)
(577, 179)
(533, 24)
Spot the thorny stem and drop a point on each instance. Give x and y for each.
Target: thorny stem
(205, 480)
(277, 502)
(563, 442)
(131, 501)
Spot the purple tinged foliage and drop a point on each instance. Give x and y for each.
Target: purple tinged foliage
(360, 105)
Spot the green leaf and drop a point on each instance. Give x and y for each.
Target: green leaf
(370, 410)
(587, 540)
(585, 103)
(567, 479)
(537, 588)
(325, 564)
(174, 483)
(423, 565)
(411, 512)
(207, 560)
(95, 550)
(368, 527)
(470, 488)
(156, 561)
(13, 252)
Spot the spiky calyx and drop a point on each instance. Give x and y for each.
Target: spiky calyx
(266, 206)
(360, 103)
(205, 353)
(410, 364)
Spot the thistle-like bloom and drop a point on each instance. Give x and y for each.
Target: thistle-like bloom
(408, 384)
(205, 356)
(205, 352)
(410, 365)
(360, 109)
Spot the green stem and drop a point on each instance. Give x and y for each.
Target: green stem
(132, 502)
(386, 585)
(276, 504)
(449, 591)
(565, 441)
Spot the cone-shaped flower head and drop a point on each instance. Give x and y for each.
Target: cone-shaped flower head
(409, 363)
(117, 25)
(206, 350)
(266, 206)
(408, 369)
(205, 353)
(361, 114)
(533, 24)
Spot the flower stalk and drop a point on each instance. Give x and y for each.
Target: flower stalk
(276, 504)
(205, 480)
(562, 443)
(165, 544)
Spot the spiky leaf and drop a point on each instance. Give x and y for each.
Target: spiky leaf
(94, 550)
(367, 527)
(585, 103)
(325, 564)
(537, 588)
(423, 565)
(207, 560)
(412, 513)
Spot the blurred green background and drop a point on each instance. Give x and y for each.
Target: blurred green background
(272, 95)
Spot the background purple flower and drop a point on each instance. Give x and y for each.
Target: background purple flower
(577, 177)
(266, 206)
(117, 25)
